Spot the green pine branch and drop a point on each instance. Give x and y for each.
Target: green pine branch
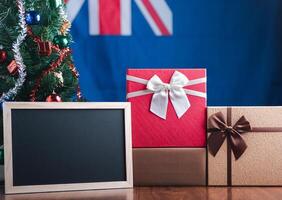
(48, 28)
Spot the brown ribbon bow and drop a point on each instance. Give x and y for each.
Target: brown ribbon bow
(219, 130)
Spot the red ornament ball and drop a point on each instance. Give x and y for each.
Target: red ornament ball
(53, 98)
(3, 56)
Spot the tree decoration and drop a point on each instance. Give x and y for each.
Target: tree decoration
(37, 39)
(17, 54)
(12, 67)
(3, 56)
(55, 3)
(65, 27)
(32, 18)
(62, 13)
(59, 76)
(54, 98)
(52, 67)
(61, 40)
(76, 75)
(44, 48)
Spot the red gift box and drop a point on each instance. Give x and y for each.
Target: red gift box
(178, 124)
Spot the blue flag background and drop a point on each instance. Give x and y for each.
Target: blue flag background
(239, 42)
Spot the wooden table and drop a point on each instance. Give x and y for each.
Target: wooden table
(161, 193)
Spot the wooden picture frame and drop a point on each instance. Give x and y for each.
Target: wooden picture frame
(10, 188)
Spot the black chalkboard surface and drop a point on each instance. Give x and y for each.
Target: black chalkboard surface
(68, 145)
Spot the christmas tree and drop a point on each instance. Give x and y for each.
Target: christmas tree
(35, 58)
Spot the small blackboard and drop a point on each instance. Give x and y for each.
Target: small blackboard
(67, 146)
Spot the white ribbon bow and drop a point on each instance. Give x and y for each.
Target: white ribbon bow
(163, 91)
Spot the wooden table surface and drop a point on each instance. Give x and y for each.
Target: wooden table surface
(161, 193)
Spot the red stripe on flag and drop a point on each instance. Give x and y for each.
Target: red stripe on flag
(109, 17)
(156, 17)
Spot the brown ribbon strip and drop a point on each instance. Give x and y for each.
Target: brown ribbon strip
(221, 130)
(229, 149)
(266, 129)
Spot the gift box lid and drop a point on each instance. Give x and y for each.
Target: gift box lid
(259, 145)
(169, 130)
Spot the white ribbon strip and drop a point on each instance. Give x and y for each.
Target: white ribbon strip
(162, 91)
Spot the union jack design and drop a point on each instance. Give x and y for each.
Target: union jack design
(113, 17)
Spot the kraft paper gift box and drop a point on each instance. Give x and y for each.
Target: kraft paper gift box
(168, 125)
(245, 146)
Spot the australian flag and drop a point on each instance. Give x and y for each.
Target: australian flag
(238, 42)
